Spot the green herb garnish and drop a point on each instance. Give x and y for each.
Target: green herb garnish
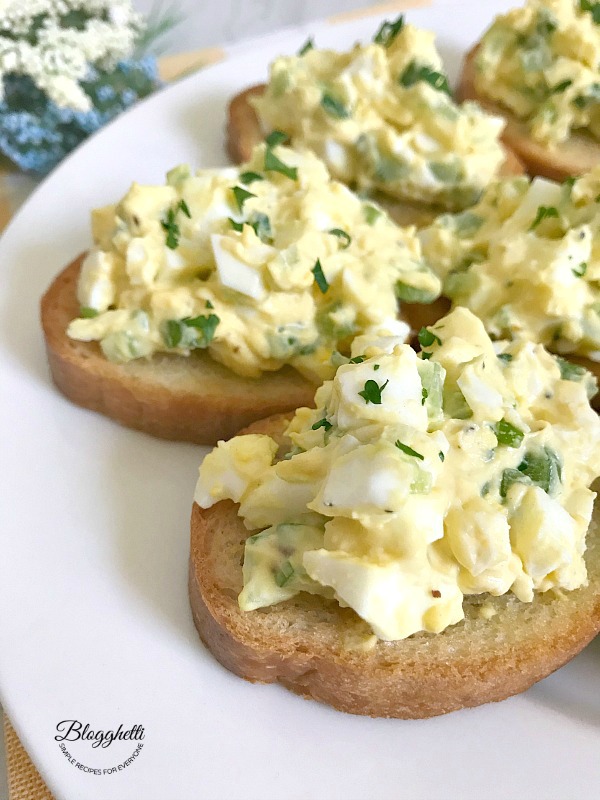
(275, 138)
(560, 87)
(507, 434)
(87, 312)
(308, 45)
(442, 456)
(580, 271)
(334, 107)
(171, 228)
(570, 371)
(172, 333)
(344, 237)
(408, 450)
(237, 226)
(372, 392)
(183, 206)
(320, 278)
(274, 164)
(593, 8)
(249, 177)
(543, 212)
(424, 396)
(427, 338)
(241, 195)
(371, 213)
(506, 357)
(322, 423)
(206, 325)
(388, 31)
(357, 360)
(415, 73)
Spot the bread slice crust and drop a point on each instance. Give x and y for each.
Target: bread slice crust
(181, 398)
(244, 132)
(577, 155)
(307, 643)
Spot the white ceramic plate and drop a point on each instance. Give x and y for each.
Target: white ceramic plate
(94, 622)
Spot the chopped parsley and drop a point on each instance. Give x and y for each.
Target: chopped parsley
(388, 31)
(308, 45)
(375, 367)
(543, 212)
(171, 228)
(237, 226)
(241, 195)
(580, 271)
(261, 226)
(424, 395)
(372, 392)
(506, 357)
(334, 107)
(275, 138)
(415, 73)
(408, 450)
(560, 87)
(344, 237)
(87, 312)
(209, 304)
(283, 574)
(322, 423)
(357, 360)
(249, 177)
(274, 164)
(172, 333)
(593, 8)
(320, 278)
(442, 456)
(507, 434)
(427, 338)
(174, 330)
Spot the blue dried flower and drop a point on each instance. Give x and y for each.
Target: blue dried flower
(36, 134)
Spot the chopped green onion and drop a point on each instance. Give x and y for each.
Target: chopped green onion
(342, 236)
(415, 73)
(334, 107)
(388, 31)
(320, 278)
(283, 574)
(357, 360)
(372, 392)
(408, 450)
(507, 434)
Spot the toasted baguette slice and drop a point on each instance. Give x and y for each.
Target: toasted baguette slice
(244, 132)
(192, 399)
(577, 155)
(308, 644)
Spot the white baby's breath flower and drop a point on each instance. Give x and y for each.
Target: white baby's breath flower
(60, 56)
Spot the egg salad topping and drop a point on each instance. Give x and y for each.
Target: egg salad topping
(381, 116)
(419, 479)
(269, 264)
(542, 61)
(526, 260)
